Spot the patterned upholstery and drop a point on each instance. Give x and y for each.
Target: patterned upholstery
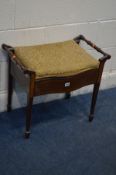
(57, 59)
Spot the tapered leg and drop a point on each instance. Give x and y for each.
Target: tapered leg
(93, 102)
(10, 86)
(28, 116)
(67, 95)
(10, 91)
(30, 96)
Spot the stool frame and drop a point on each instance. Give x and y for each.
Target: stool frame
(35, 87)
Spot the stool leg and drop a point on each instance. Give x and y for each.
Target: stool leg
(96, 89)
(30, 97)
(10, 92)
(93, 102)
(28, 116)
(67, 95)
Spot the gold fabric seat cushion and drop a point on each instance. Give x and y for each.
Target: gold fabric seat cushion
(56, 60)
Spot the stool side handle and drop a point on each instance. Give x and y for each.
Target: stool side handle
(105, 57)
(11, 53)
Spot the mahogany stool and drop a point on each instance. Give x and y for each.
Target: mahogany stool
(53, 68)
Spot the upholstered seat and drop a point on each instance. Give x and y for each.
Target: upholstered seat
(57, 59)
